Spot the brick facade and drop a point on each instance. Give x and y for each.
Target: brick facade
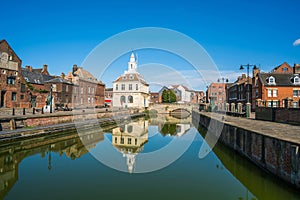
(278, 88)
(10, 75)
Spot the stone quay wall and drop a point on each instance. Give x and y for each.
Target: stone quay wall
(280, 157)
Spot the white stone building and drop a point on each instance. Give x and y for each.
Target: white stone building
(130, 90)
(185, 93)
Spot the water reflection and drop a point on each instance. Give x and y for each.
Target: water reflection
(12, 154)
(129, 139)
(224, 171)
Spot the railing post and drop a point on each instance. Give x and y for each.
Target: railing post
(33, 111)
(24, 112)
(42, 110)
(13, 111)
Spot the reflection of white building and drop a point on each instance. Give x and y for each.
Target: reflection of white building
(130, 89)
(129, 140)
(181, 129)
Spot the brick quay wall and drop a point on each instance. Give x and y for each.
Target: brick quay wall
(274, 147)
(9, 122)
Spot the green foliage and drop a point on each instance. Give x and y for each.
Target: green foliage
(168, 129)
(168, 96)
(34, 89)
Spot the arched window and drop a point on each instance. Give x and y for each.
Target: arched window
(130, 99)
(123, 99)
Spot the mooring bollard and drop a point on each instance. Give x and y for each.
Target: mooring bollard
(42, 110)
(13, 111)
(33, 111)
(24, 111)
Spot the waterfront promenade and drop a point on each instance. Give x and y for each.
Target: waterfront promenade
(281, 131)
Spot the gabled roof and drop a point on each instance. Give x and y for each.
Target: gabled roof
(84, 74)
(10, 48)
(176, 86)
(280, 79)
(36, 78)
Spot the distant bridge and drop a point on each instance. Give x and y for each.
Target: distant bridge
(175, 108)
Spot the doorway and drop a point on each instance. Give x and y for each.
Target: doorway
(2, 102)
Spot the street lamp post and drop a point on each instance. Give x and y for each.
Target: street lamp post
(51, 98)
(247, 89)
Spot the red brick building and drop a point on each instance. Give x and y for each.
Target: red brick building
(34, 83)
(88, 91)
(10, 77)
(154, 97)
(216, 95)
(279, 88)
(240, 91)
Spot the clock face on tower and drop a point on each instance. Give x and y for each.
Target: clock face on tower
(4, 57)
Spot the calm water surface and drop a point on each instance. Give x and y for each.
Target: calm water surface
(61, 167)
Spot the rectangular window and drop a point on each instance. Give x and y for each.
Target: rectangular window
(269, 93)
(256, 93)
(13, 96)
(89, 100)
(136, 87)
(275, 103)
(54, 88)
(22, 96)
(123, 87)
(116, 139)
(130, 86)
(135, 141)
(122, 140)
(23, 87)
(81, 90)
(11, 80)
(117, 86)
(67, 88)
(93, 90)
(89, 90)
(295, 93)
(81, 100)
(129, 141)
(269, 103)
(275, 93)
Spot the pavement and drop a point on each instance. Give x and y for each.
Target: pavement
(285, 132)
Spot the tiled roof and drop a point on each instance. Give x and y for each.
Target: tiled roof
(58, 80)
(33, 77)
(131, 77)
(280, 79)
(83, 74)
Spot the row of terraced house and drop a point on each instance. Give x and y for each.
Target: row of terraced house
(277, 88)
(31, 87)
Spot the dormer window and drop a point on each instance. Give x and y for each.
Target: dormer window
(271, 80)
(131, 77)
(296, 80)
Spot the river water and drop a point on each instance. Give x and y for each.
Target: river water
(144, 159)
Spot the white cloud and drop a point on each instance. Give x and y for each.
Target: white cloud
(297, 42)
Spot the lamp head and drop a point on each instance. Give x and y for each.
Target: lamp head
(241, 67)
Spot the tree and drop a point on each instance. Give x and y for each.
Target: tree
(168, 96)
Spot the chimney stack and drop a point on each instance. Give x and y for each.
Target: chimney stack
(63, 75)
(75, 68)
(45, 69)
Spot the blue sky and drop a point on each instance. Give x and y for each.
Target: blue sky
(234, 32)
